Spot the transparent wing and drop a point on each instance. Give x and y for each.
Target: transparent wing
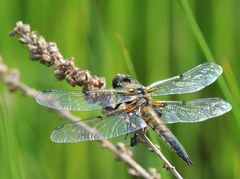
(190, 81)
(192, 111)
(98, 128)
(75, 100)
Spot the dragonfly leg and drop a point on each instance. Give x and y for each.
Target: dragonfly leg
(158, 103)
(131, 107)
(134, 140)
(150, 90)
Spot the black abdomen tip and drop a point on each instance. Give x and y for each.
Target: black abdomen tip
(187, 160)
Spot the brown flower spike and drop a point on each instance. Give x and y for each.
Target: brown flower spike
(48, 54)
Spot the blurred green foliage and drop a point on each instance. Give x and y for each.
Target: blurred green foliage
(163, 39)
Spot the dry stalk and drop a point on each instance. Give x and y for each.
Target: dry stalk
(49, 55)
(156, 150)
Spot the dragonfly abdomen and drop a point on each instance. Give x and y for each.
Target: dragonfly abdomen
(174, 144)
(152, 119)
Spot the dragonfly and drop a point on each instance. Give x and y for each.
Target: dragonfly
(129, 107)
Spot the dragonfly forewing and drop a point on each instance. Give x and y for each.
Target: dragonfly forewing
(188, 82)
(74, 100)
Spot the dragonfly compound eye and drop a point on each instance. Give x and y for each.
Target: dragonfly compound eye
(119, 80)
(127, 79)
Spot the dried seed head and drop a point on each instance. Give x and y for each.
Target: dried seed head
(154, 173)
(133, 172)
(121, 146)
(20, 29)
(48, 54)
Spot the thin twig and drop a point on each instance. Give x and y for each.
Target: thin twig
(156, 150)
(11, 78)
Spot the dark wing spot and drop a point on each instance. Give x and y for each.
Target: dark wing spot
(184, 102)
(47, 90)
(99, 117)
(59, 127)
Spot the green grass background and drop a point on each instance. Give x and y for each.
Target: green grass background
(163, 39)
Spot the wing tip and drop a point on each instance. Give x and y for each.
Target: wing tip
(40, 95)
(228, 106)
(223, 107)
(48, 100)
(54, 138)
(38, 98)
(224, 103)
(217, 67)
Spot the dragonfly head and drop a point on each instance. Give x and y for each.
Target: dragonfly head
(120, 80)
